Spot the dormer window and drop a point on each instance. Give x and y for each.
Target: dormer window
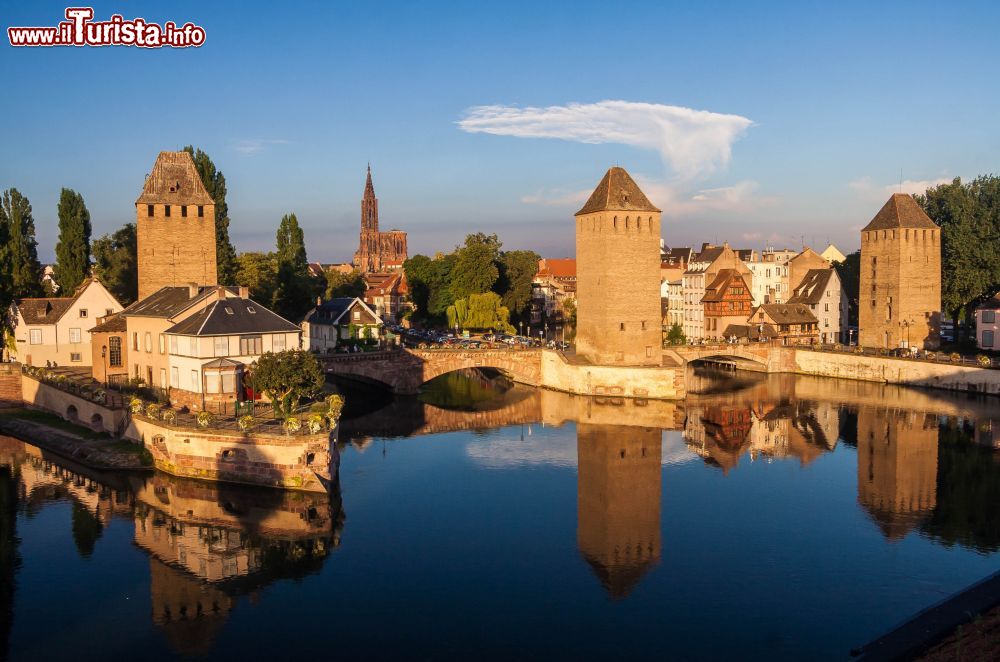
(229, 311)
(251, 310)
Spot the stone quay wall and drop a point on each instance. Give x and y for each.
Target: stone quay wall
(69, 406)
(299, 462)
(656, 383)
(10, 385)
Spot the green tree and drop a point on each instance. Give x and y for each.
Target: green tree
(429, 281)
(258, 271)
(480, 311)
(294, 293)
(286, 378)
(21, 248)
(517, 271)
(73, 248)
(969, 216)
(339, 284)
(475, 270)
(569, 318)
(675, 336)
(849, 272)
(215, 183)
(6, 284)
(115, 263)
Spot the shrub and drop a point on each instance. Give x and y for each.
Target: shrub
(930, 356)
(315, 423)
(293, 424)
(955, 357)
(169, 416)
(100, 396)
(859, 349)
(153, 410)
(335, 407)
(245, 422)
(136, 405)
(984, 361)
(205, 419)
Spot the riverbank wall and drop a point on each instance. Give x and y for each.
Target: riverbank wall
(642, 382)
(10, 385)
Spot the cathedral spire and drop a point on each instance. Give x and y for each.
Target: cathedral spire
(369, 188)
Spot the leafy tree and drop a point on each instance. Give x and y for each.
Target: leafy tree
(287, 377)
(6, 284)
(969, 216)
(849, 272)
(676, 335)
(21, 251)
(73, 249)
(475, 270)
(294, 293)
(569, 318)
(215, 183)
(429, 281)
(517, 271)
(480, 311)
(344, 285)
(115, 263)
(86, 530)
(259, 272)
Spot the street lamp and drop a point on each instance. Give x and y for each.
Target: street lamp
(850, 337)
(104, 354)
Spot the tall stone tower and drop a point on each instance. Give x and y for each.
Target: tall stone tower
(175, 226)
(618, 502)
(368, 259)
(618, 275)
(899, 300)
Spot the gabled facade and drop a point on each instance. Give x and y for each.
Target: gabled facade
(727, 301)
(701, 272)
(56, 330)
(387, 294)
(339, 321)
(822, 291)
(794, 322)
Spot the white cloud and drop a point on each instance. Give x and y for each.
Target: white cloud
(252, 146)
(869, 190)
(694, 143)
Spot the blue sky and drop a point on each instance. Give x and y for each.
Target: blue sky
(810, 111)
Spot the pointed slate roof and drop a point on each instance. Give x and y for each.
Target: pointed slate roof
(174, 181)
(369, 187)
(617, 192)
(232, 316)
(901, 211)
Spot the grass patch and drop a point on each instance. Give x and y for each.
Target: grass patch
(53, 421)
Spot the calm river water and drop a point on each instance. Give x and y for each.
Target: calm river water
(769, 518)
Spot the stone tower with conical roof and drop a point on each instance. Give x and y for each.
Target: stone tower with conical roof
(899, 301)
(175, 226)
(618, 275)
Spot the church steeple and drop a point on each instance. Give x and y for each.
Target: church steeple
(369, 205)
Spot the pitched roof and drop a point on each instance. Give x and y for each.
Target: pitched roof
(676, 256)
(708, 253)
(901, 211)
(112, 324)
(617, 191)
(716, 291)
(232, 316)
(788, 313)
(49, 310)
(169, 301)
(990, 304)
(563, 267)
(812, 287)
(330, 312)
(832, 254)
(174, 180)
(750, 331)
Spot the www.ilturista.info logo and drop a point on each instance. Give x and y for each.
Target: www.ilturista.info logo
(80, 30)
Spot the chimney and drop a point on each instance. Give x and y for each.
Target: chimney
(244, 292)
(192, 290)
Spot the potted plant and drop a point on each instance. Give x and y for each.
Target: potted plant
(205, 419)
(292, 424)
(153, 410)
(984, 361)
(136, 405)
(315, 423)
(245, 422)
(169, 416)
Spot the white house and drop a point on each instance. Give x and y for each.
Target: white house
(337, 320)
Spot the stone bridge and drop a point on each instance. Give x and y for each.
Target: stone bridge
(404, 370)
(764, 357)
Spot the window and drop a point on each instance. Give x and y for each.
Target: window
(163, 344)
(357, 315)
(278, 343)
(83, 312)
(212, 382)
(166, 210)
(148, 341)
(201, 212)
(221, 348)
(175, 379)
(35, 336)
(108, 312)
(192, 346)
(250, 345)
(74, 335)
(75, 357)
(115, 352)
(194, 381)
(621, 326)
(826, 307)
(987, 339)
(163, 378)
(135, 340)
(989, 316)
(184, 211)
(173, 344)
(149, 210)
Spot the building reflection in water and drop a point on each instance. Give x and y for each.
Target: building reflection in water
(897, 467)
(208, 543)
(618, 502)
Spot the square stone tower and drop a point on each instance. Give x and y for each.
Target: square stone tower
(618, 275)
(899, 300)
(175, 226)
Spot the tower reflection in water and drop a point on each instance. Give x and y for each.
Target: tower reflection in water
(209, 544)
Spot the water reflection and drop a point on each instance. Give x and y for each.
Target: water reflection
(208, 543)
